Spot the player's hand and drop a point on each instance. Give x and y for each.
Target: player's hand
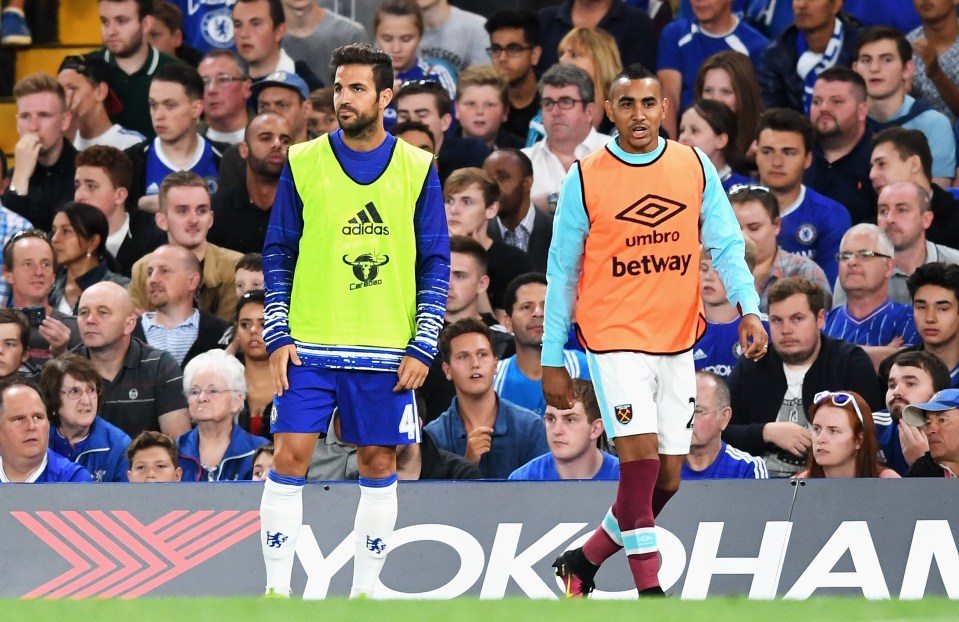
(752, 337)
(278, 364)
(479, 442)
(56, 334)
(27, 152)
(789, 436)
(411, 374)
(557, 387)
(913, 442)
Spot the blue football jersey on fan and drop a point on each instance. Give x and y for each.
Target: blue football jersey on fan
(158, 167)
(510, 383)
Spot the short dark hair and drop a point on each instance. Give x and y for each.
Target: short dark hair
(944, 275)
(441, 96)
(251, 261)
(462, 327)
(522, 19)
(169, 15)
(929, 363)
(51, 381)
(466, 245)
(636, 71)
(785, 288)
(147, 439)
(525, 164)
(847, 75)
(322, 99)
(277, 16)
(253, 296)
(509, 296)
(364, 54)
(265, 449)
(16, 380)
(412, 125)
(116, 163)
(907, 143)
(398, 8)
(788, 120)
(144, 7)
(184, 75)
(745, 193)
(885, 33)
(88, 221)
(9, 315)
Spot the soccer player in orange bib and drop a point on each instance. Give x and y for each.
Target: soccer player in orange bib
(628, 227)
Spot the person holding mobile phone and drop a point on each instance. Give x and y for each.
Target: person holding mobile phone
(29, 268)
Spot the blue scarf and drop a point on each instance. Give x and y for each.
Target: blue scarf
(807, 67)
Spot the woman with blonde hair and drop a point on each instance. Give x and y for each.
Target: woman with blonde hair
(594, 51)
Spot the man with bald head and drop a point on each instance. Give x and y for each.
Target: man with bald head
(242, 211)
(518, 223)
(142, 386)
(177, 326)
(904, 216)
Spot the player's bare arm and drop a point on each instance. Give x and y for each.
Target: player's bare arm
(557, 387)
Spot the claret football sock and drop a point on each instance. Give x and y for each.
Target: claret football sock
(634, 501)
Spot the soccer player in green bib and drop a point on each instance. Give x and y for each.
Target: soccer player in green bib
(356, 270)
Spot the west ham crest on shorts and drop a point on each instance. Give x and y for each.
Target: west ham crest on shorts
(624, 413)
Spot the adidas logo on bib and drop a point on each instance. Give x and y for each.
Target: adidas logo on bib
(366, 222)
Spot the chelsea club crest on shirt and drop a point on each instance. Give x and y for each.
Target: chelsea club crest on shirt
(806, 234)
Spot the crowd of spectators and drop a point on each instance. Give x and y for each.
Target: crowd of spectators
(132, 319)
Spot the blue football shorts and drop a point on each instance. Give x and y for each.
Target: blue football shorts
(370, 412)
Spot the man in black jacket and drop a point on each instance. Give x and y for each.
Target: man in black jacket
(820, 38)
(770, 397)
(939, 421)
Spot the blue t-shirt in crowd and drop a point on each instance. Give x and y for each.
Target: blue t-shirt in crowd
(718, 350)
(511, 383)
(889, 320)
(158, 167)
(731, 463)
(543, 469)
(57, 470)
(813, 226)
(684, 46)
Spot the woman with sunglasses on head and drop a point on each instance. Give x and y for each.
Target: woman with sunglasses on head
(248, 327)
(217, 449)
(71, 390)
(843, 438)
(79, 240)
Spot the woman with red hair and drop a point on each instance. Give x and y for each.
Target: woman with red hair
(843, 438)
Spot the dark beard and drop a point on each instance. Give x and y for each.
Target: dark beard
(132, 49)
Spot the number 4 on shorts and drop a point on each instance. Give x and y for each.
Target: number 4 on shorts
(410, 424)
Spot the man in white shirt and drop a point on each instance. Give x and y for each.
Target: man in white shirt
(567, 100)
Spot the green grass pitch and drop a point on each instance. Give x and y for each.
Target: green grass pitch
(468, 610)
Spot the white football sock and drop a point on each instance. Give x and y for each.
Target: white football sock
(372, 529)
(281, 514)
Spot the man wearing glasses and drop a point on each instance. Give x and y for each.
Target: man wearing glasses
(92, 101)
(869, 318)
(226, 89)
(514, 50)
(567, 98)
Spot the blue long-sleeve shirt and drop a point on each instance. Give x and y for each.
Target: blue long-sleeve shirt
(281, 250)
(719, 232)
